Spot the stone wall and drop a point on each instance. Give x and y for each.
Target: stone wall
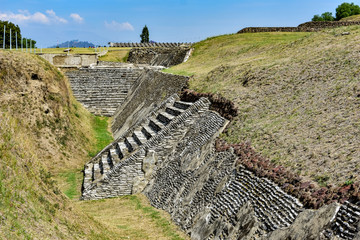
(126, 173)
(153, 88)
(70, 60)
(305, 27)
(137, 45)
(223, 106)
(207, 193)
(269, 29)
(102, 90)
(158, 56)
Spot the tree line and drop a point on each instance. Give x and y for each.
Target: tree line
(15, 33)
(342, 11)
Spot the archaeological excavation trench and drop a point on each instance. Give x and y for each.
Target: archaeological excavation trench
(165, 148)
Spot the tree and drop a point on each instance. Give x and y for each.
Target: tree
(29, 42)
(15, 32)
(317, 18)
(347, 10)
(145, 35)
(326, 16)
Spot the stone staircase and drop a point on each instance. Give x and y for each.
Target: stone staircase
(346, 223)
(134, 139)
(102, 90)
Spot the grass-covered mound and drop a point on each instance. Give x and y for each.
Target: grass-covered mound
(46, 136)
(298, 96)
(354, 18)
(43, 131)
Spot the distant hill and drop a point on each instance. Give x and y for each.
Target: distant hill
(74, 43)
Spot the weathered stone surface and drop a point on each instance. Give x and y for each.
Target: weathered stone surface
(153, 88)
(102, 90)
(70, 60)
(166, 150)
(308, 225)
(146, 45)
(305, 27)
(158, 56)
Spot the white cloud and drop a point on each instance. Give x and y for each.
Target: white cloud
(116, 26)
(24, 16)
(38, 17)
(76, 17)
(55, 18)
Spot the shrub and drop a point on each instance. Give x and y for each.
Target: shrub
(326, 16)
(347, 10)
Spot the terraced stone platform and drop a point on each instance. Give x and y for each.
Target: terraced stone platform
(166, 151)
(127, 152)
(101, 90)
(170, 157)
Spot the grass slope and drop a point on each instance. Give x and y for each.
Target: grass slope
(45, 135)
(353, 18)
(116, 55)
(42, 130)
(298, 96)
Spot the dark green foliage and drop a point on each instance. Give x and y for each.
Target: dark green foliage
(14, 29)
(145, 35)
(326, 16)
(317, 18)
(29, 42)
(347, 10)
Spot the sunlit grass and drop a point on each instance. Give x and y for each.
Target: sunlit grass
(102, 135)
(132, 217)
(116, 55)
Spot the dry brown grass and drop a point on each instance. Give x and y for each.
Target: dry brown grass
(45, 132)
(351, 18)
(297, 94)
(38, 134)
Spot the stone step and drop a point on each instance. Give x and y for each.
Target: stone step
(174, 111)
(88, 173)
(122, 149)
(130, 144)
(139, 137)
(96, 171)
(155, 125)
(165, 118)
(104, 163)
(115, 157)
(182, 105)
(148, 132)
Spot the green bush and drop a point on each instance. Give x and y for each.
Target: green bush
(347, 10)
(326, 16)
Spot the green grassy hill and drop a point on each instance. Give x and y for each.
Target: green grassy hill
(353, 18)
(298, 96)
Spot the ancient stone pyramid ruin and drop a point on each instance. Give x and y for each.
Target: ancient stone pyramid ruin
(164, 148)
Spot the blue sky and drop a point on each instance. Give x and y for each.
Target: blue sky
(101, 21)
